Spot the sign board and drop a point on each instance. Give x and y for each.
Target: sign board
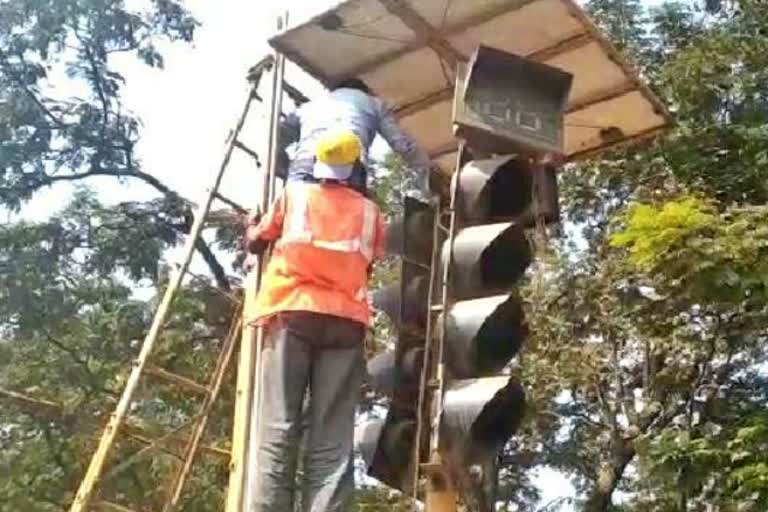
(508, 104)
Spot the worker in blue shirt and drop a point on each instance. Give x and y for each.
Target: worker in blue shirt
(350, 106)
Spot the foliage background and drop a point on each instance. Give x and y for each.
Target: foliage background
(645, 368)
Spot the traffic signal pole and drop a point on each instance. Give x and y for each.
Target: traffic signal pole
(441, 496)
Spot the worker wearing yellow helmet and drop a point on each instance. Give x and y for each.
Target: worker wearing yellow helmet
(313, 304)
(333, 135)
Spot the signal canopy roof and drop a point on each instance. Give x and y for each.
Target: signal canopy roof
(407, 51)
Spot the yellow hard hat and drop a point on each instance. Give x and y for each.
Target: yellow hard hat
(338, 148)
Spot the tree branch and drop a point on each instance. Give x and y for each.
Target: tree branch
(216, 268)
(83, 363)
(609, 476)
(32, 406)
(96, 81)
(219, 274)
(32, 96)
(201, 246)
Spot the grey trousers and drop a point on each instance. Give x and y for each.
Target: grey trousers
(323, 355)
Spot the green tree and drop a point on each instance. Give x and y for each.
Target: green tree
(645, 365)
(71, 327)
(47, 138)
(70, 319)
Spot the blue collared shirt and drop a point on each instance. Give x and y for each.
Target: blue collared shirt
(364, 115)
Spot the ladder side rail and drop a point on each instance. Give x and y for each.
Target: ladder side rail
(251, 342)
(441, 493)
(243, 398)
(427, 356)
(88, 484)
(214, 387)
(270, 191)
(438, 404)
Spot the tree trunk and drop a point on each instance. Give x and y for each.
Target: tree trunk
(608, 477)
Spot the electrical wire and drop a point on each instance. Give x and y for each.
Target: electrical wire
(373, 37)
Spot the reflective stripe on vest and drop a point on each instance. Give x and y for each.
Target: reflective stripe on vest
(369, 229)
(295, 223)
(296, 230)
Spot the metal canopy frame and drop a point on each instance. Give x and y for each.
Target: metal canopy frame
(411, 53)
(408, 51)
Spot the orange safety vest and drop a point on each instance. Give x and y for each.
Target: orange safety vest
(327, 236)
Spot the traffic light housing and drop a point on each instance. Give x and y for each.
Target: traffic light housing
(387, 444)
(496, 200)
(503, 104)
(506, 103)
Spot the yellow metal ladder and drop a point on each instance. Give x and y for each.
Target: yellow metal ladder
(98, 472)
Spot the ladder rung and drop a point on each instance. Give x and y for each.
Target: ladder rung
(159, 444)
(228, 201)
(436, 307)
(417, 263)
(239, 145)
(178, 380)
(433, 384)
(143, 437)
(114, 507)
(296, 95)
(217, 452)
(431, 467)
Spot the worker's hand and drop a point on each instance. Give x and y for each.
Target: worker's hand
(252, 218)
(250, 261)
(550, 160)
(252, 241)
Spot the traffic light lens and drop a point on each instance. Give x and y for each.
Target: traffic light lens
(504, 261)
(501, 416)
(487, 259)
(500, 336)
(509, 190)
(483, 335)
(489, 409)
(413, 313)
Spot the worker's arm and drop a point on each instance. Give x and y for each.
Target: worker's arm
(404, 145)
(290, 132)
(263, 229)
(380, 243)
(290, 129)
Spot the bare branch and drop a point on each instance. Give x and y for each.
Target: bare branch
(32, 406)
(219, 274)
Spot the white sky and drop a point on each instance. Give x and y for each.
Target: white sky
(188, 108)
